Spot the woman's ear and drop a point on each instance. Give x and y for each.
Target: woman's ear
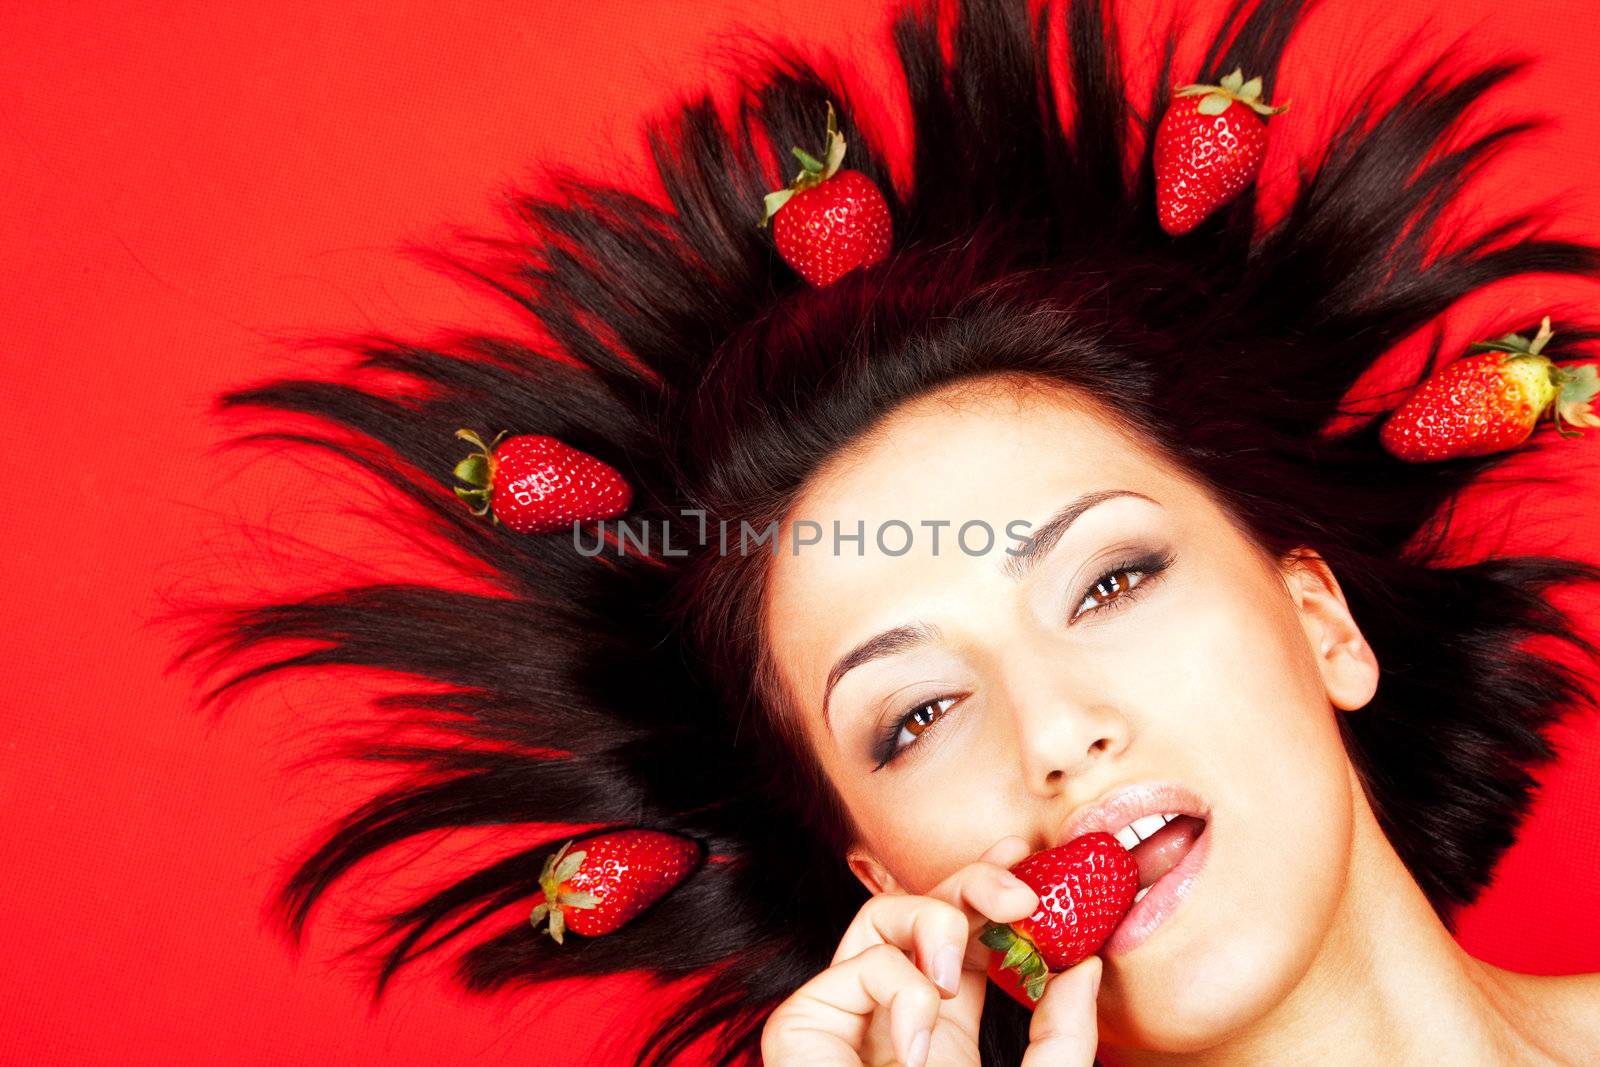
(872, 874)
(1348, 665)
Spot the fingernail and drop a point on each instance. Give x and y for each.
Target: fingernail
(947, 968)
(918, 1056)
(1010, 883)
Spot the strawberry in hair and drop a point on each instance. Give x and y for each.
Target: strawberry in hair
(609, 881)
(828, 221)
(533, 483)
(1209, 146)
(1490, 401)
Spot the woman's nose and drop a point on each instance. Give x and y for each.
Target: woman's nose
(1065, 727)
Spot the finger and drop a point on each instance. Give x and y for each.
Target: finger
(1007, 852)
(987, 891)
(825, 1021)
(935, 932)
(944, 939)
(1064, 1031)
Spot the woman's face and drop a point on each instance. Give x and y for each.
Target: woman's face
(1022, 695)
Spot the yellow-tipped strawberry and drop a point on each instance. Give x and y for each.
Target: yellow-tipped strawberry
(1490, 401)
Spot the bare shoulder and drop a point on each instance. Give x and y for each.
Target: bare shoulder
(1568, 1005)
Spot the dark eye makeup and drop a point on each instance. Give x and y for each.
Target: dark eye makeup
(1110, 592)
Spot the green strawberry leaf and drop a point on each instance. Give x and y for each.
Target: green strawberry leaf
(1541, 338)
(474, 470)
(772, 202)
(1214, 104)
(1034, 965)
(1251, 89)
(1035, 988)
(998, 937)
(1263, 109)
(580, 900)
(1578, 386)
(1019, 951)
(807, 160)
(835, 156)
(1579, 383)
(568, 867)
(550, 860)
(1233, 82)
(1499, 346)
(539, 912)
(558, 925)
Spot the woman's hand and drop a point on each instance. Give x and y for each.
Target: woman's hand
(907, 982)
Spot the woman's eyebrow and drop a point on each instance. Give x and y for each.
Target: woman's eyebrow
(888, 643)
(1036, 544)
(1034, 547)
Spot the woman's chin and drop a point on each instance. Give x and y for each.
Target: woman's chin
(1192, 986)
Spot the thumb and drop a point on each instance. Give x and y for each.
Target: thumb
(1064, 1031)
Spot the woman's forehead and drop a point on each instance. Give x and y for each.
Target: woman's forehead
(975, 453)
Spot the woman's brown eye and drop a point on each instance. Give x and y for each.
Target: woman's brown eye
(1112, 585)
(1121, 586)
(920, 719)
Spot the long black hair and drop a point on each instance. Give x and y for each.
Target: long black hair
(675, 346)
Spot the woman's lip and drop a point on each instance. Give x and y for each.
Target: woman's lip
(1164, 897)
(1128, 804)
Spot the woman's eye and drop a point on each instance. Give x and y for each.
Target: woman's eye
(924, 716)
(1109, 587)
(904, 731)
(1113, 589)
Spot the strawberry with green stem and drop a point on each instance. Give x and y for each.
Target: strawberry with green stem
(1209, 146)
(1085, 887)
(534, 483)
(828, 221)
(1491, 400)
(609, 881)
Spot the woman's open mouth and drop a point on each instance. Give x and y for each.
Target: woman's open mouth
(1170, 856)
(1163, 826)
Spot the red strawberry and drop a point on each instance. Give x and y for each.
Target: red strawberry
(1208, 150)
(612, 879)
(829, 221)
(1085, 887)
(537, 484)
(1490, 401)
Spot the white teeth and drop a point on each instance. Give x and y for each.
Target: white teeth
(1140, 894)
(1141, 829)
(1148, 825)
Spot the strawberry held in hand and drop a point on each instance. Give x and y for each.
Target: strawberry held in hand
(1490, 401)
(538, 484)
(1208, 149)
(828, 221)
(611, 880)
(1085, 887)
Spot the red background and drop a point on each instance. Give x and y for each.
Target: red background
(190, 185)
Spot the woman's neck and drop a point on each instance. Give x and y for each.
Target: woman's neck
(1389, 985)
